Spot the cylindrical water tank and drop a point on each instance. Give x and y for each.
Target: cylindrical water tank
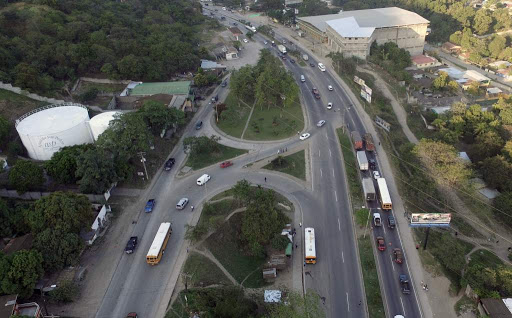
(99, 123)
(44, 131)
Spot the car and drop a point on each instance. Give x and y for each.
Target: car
(245, 41)
(292, 60)
(372, 163)
(320, 123)
(329, 87)
(273, 43)
(234, 23)
(215, 98)
(304, 136)
(224, 84)
(381, 244)
(312, 64)
(329, 105)
(283, 57)
(169, 163)
(182, 203)
(132, 315)
(398, 257)
(284, 41)
(376, 175)
(314, 90)
(130, 246)
(224, 8)
(265, 42)
(226, 164)
(203, 179)
(280, 54)
(391, 222)
(199, 124)
(150, 206)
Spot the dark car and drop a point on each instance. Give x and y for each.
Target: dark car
(315, 91)
(312, 64)
(292, 60)
(215, 98)
(199, 124)
(224, 84)
(381, 244)
(169, 163)
(130, 246)
(391, 222)
(372, 163)
(284, 57)
(398, 256)
(150, 206)
(234, 23)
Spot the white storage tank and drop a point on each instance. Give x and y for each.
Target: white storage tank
(99, 123)
(45, 130)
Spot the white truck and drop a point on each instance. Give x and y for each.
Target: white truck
(305, 57)
(281, 48)
(376, 219)
(362, 160)
(369, 189)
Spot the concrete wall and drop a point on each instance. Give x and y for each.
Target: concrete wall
(312, 31)
(359, 47)
(410, 38)
(18, 90)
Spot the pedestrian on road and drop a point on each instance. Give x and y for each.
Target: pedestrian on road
(304, 263)
(296, 246)
(286, 149)
(265, 179)
(426, 287)
(422, 283)
(187, 249)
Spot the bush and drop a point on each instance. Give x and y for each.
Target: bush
(25, 176)
(89, 95)
(280, 242)
(67, 292)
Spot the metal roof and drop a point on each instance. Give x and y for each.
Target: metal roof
(169, 88)
(376, 18)
(348, 27)
(207, 65)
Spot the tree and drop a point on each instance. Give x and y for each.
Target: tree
(25, 176)
(243, 82)
(200, 80)
(201, 145)
(66, 292)
(63, 165)
(298, 306)
(497, 173)
(24, 272)
(452, 86)
(458, 108)
(440, 82)
(158, 117)
(482, 22)
(96, 170)
(503, 208)
(497, 45)
(58, 247)
(242, 192)
(5, 126)
(6, 217)
(487, 144)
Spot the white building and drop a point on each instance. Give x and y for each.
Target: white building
(353, 32)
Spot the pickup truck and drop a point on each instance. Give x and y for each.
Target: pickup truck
(130, 246)
(376, 219)
(404, 284)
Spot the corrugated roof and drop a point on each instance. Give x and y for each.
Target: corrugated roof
(376, 18)
(496, 308)
(205, 64)
(169, 88)
(348, 27)
(474, 75)
(423, 59)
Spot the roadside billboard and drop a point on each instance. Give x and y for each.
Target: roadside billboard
(382, 123)
(430, 219)
(358, 80)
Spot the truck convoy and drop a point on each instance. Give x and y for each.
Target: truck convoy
(281, 48)
(356, 139)
(362, 161)
(368, 142)
(369, 189)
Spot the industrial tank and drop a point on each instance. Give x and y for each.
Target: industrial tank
(99, 123)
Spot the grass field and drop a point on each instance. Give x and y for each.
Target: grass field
(225, 153)
(354, 182)
(234, 125)
(203, 272)
(12, 105)
(294, 165)
(371, 279)
(485, 258)
(275, 123)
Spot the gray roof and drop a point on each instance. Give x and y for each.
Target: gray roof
(376, 18)
(348, 27)
(207, 65)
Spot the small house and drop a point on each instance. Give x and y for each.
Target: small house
(231, 54)
(493, 92)
(451, 48)
(9, 306)
(424, 61)
(495, 308)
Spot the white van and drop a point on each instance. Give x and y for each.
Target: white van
(321, 67)
(302, 78)
(182, 203)
(203, 179)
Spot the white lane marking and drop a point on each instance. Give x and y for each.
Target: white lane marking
(383, 226)
(330, 153)
(335, 194)
(403, 308)
(339, 226)
(392, 263)
(321, 174)
(342, 257)
(333, 172)
(318, 152)
(348, 305)
(326, 136)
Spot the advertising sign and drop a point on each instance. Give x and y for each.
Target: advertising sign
(382, 123)
(368, 93)
(430, 219)
(358, 80)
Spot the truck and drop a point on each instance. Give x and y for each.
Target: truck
(404, 284)
(362, 161)
(281, 48)
(376, 219)
(369, 189)
(356, 139)
(368, 142)
(305, 57)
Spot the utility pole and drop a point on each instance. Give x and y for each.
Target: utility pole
(143, 160)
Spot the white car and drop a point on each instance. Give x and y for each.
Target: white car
(329, 105)
(203, 179)
(246, 41)
(182, 203)
(320, 123)
(376, 175)
(265, 42)
(304, 136)
(223, 8)
(284, 41)
(330, 87)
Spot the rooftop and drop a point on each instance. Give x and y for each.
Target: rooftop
(371, 18)
(450, 46)
(474, 75)
(423, 59)
(235, 31)
(348, 27)
(7, 303)
(169, 88)
(496, 308)
(208, 65)
(494, 90)
(19, 243)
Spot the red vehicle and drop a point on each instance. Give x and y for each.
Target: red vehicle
(226, 164)
(357, 140)
(397, 256)
(381, 244)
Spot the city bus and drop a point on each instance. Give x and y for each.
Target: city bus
(385, 198)
(250, 28)
(159, 243)
(310, 251)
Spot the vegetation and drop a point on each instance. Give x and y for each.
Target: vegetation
(293, 164)
(205, 151)
(297, 306)
(393, 59)
(63, 165)
(370, 278)
(66, 292)
(25, 176)
(354, 182)
(20, 272)
(233, 115)
(203, 272)
(362, 217)
(443, 83)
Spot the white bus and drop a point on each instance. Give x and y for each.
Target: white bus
(159, 243)
(321, 67)
(310, 252)
(251, 28)
(385, 198)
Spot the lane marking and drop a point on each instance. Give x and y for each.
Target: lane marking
(333, 172)
(339, 226)
(342, 257)
(330, 153)
(392, 263)
(321, 174)
(318, 152)
(336, 196)
(403, 308)
(348, 304)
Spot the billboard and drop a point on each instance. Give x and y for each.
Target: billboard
(367, 93)
(382, 123)
(358, 80)
(430, 219)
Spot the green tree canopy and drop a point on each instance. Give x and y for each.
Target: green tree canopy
(96, 170)
(24, 270)
(25, 176)
(158, 116)
(58, 247)
(63, 165)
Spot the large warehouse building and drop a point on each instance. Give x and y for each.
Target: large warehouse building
(353, 32)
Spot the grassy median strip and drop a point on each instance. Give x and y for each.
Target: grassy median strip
(203, 272)
(354, 182)
(370, 278)
(205, 159)
(294, 165)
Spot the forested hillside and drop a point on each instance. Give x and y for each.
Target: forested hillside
(46, 42)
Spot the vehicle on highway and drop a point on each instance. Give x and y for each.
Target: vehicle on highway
(203, 179)
(281, 48)
(391, 222)
(404, 284)
(134, 314)
(283, 57)
(329, 87)
(362, 160)
(304, 136)
(376, 175)
(223, 18)
(320, 123)
(224, 8)
(130, 246)
(357, 140)
(305, 57)
(199, 124)
(369, 189)
(226, 164)
(316, 93)
(273, 43)
(302, 78)
(292, 61)
(398, 257)
(284, 41)
(368, 142)
(329, 105)
(182, 203)
(265, 42)
(376, 219)
(381, 244)
(245, 41)
(312, 64)
(159, 243)
(234, 23)
(385, 198)
(150, 205)
(372, 163)
(321, 67)
(215, 98)
(169, 163)
(224, 84)
(310, 251)
(399, 316)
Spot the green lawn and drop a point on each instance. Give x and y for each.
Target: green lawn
(223, 194)
(203, 272)
(213, 214)
(362, 216)
(370, 278)
(349, 158)
(233, 122)
(13, 97)
(485, 258)
(225, 153)
(294, 165)
(275, 123)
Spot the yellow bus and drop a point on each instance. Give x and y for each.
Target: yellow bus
(310, 252)
(159, 243)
